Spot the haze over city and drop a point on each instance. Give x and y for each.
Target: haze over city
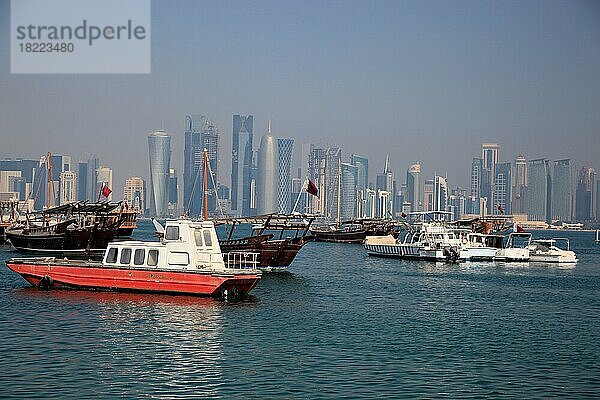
(427, 81)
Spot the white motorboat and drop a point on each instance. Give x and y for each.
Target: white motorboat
(480, 247)
(428, 241)
(516, 248)
(548, 251)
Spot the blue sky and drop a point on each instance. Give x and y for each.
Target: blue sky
(422, 80)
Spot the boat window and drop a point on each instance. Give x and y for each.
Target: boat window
(138, 256)
(152, 257)
(179, 258)
(172, 233)
(198, 237)
(207, 238)
(125, 256)
(111, 257)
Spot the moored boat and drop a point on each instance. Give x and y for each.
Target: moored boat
(73, 229)
(353, 231)
(431, 240)
(480, 247)
(516, 248)
(549, 251)
(277, 238)
(187, 260)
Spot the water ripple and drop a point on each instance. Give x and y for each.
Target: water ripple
(340, 324)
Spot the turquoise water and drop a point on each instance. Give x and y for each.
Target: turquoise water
(339, 324)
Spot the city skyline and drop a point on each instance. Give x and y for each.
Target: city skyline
(430, 82)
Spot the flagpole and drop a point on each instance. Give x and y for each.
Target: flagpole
(100, 193)
(300, 194)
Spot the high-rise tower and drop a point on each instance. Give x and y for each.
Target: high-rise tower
(519, 191)
(562, 191)
(585, 206)
(502, 188)
(489, 157)
(285, 151)
(159, 151)
(413, 187)
(200, 134)
(539, 192)
(241, 164)
(268, 171)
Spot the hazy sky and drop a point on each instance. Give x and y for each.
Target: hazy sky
(422, 80)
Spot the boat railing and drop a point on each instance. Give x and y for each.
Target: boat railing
(241, 260)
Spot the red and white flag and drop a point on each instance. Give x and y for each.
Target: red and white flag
(106, 191)
(311, 188)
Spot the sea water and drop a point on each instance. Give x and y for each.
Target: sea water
(338, 324)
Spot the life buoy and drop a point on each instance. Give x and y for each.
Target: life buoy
(464, 240)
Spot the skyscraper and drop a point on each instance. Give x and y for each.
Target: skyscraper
(519, 192)
(333, 177)
(285, 151)
(363, 170)
(268, 171)
(489, 157)
(457, 203)
(349, 188)
(428, 195)
(362, 182)
(241, 164)
(502, 188)
(324, 169)
(159, 150)
(317, 160)
(413, 187)
(440, 194)
(370, 203)
(539, 192)
(82, 176)
(173, 189)
(476, 168)
(585, 205)
(385, 182)
(562, 191)
(68, 187)
(104, 177)
(200, 133)
(93, 163)
(192, 163)
(134, 194)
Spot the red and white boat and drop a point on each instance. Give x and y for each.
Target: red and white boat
(187, 260)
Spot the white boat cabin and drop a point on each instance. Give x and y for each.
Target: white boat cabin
(186, 245)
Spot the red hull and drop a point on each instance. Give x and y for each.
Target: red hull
(94, 276)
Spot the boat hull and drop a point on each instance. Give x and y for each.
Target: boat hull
(339, 237)
(81, 275)
(554, 258)
(478, 253)
(71, 240)
(272, 254)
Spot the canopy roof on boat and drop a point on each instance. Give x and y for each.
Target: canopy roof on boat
(81, 207)
(271, 221)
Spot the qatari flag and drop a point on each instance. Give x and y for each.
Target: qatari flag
(106, 191)
(312, 188)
